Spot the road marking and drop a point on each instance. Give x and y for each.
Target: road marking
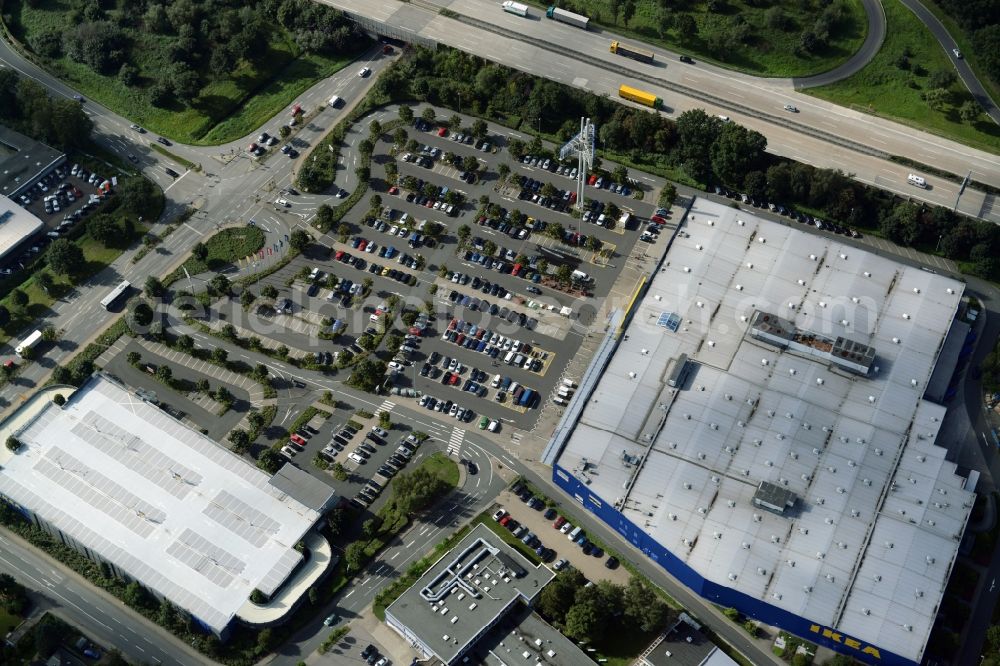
(350, 593)
(455, 441)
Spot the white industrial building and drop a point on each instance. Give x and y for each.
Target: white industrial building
(127, 485)
(762, 433)
(16, 225)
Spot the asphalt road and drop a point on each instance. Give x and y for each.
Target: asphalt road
(100, 616)
(944, 38)
(875, 16)
(822, 134)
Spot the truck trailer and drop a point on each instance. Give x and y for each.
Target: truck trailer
(515, 8)
(642, 55)
(28, 344)
(570, 18)
(640, 97)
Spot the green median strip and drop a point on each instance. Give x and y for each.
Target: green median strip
(187, 164)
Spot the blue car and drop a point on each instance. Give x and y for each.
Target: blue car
(390, 252)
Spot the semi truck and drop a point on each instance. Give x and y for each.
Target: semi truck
(640, 97)
(642, 55)
(515, 8)
(28, 344)
(570, 18)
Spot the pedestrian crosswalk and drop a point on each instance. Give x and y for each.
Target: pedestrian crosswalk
(386, 406)
(455, 441)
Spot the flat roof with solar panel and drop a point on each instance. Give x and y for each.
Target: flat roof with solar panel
(795, 473)
(159, 501)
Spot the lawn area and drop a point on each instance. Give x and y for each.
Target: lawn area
(224, 248)
(772, 31)
(8, 622)
(895, 81)
(442, 466)
(224, 106)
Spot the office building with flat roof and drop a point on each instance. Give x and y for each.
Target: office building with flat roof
(125, 484)
(24, 161)
(791, 470)
(464, 595)
(16, 226)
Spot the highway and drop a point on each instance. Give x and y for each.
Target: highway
(822, 134)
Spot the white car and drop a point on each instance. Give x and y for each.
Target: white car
(395, 365)
(791, 109)
(454, 410)
(958, 54)
(365, 71)
(282, 202)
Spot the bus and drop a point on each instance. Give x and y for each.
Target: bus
(642, 55)
(640, 96)
(111, 300)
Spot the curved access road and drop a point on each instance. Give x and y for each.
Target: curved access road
(962, 67)
(873, 42)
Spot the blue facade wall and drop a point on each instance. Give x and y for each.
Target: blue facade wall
(720, 594)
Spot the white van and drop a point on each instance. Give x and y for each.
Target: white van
(574, 534)
(559, 401)
(569, 383)
(580, 276)
(914, 179)
(509, 358)
(563, 392)
(496, 381)
(335, 102)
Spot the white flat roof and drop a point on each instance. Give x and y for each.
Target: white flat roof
(16, 224)
(167, 505)
(869, 546)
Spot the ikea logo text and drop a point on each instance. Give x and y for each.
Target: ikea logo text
(845, 640)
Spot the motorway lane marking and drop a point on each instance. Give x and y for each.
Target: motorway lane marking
(350, 593)
(394, 556)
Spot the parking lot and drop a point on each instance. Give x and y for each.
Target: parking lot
(535, 522)
(62, 200)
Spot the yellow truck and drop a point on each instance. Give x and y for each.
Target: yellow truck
(640, 97)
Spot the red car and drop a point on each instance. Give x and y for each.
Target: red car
(505, 520)
(416, 331)
(298, 440)
(443, 131)
(560, 521)
(658, 219)
(338, 255)
(362, 245)
(592, 179)
(393, 190)
(455, 379)
(516, 270)
(460, 339)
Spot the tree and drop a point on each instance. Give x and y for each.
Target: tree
(13, 444)
(463, 234)
(270, 461)
(399, 136)
(284, 131)
(265, 638)
(134, 358)
(479, 128)
(339, 473)
(241, 441)
(642, 607)
(428, 114)
(687, 28)
(202, 385)
(200, 251)
(557, 597)
(219, 355)
(59, 399)
(269, 291)
(584, 621)
(299, 240)
(371, 527)
(969, 110)
(5, 315)
(405, 113)
(153, 287)
(164, 373)
(470, 163)
(104, 230)
(246, 298)
(354, 556)
(48, 633)
(564, 273)
(221, 285)
(259, 372)
(374, 129)
(65, 258)
(367, 375)
(415, 491)
(140, 317)
(135, 595)
(18, 299)
(366, 342)
(735, 152)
